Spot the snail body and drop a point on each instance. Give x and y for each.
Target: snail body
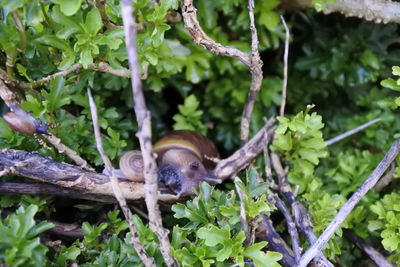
(183, 161)
(19, 120)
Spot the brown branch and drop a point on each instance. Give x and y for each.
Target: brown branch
(135, 241)
(377, 257)
(253, 61)
(144, 135)
(101, 66)
(44, 169)
(65, 229)
(268, 233)
(302, 219)
(350, 204)
(379, 11)
(100, 5)
(290, 224)
(63, 149)
(285, 67)
(242, 157)
(255, 68)
(189, 14)
(49, 189)
(386, 179)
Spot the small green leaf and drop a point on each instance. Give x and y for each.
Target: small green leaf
(68, 7)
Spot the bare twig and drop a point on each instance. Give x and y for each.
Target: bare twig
(350, 204)
(268, 170)
(386, 179)
(255, 68)
(351, 132)
(253, 61)
(144, 135)
(102, 67)
(243, 219)
(377, 257)
(66, 229)
(291, 226)
(241, 158)
(285, 67)
(189, 14)
(300, 213)
(100, 4)
(147, 261)
(275, 241)
(44, 169)
(61, 148)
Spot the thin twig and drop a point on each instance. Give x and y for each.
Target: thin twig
(100, 5)
(377, 257)
(268, 170)
(302, 219)
(101, 66)
(189, 14)
(144, 135)
(350, 204)
(253, 61)
(61, 148)
(351, 132)
(291, 226)
(386, 179)
(243, 219)
(147, 261)
(255, 68)
(285, 67)
(242, 157)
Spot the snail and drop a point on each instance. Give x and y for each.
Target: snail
(183, 161)
(19, 120)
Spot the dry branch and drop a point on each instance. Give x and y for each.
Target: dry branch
(135, 241)
(350, 204)
(144, 135)
(377, 257)
(255, 68)
(290, 224)
(275, 242)
(243, 156)
(285, 67)
(44, 169)
(253, 61)
(302, 219)
(351, 132)
(371, 10)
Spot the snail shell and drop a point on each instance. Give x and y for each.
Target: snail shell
(131, 165)
(19, 123)
(188, 140)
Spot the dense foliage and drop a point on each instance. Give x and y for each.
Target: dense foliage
(340, 76)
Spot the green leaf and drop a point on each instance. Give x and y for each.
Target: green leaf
(370, 59)
(261, 259)
(69, 7)
(391, 84)
(93, 22)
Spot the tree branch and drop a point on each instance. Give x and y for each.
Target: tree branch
(144, 135)
(135, 241)
(44, 169)
(302, 219)
(350, 204)
(377, 257)
(255, 68)
(253, 61)
(242, 157)
(285, 67)
(372, 10)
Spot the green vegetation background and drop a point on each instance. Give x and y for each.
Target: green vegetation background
(335, 63)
